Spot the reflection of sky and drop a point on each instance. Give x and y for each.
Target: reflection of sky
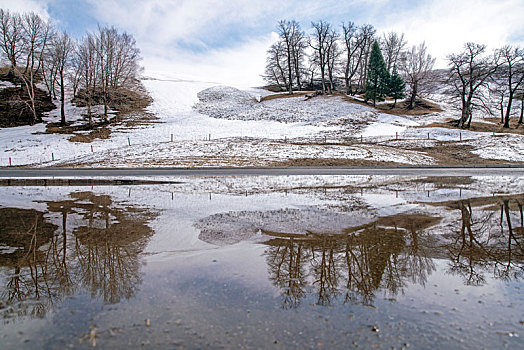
(184, 278)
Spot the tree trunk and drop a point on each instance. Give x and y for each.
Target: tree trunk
(413, 97)
(508, 111)
(464, 117)
(521, 108)
(62, 100)
(290, 72)
(89, 115)
(323, 77)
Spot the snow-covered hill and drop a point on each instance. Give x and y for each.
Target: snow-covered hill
(201, 124)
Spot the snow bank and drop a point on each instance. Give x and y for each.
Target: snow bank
(229, 103)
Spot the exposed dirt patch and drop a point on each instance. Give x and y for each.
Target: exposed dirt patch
(330, 162)
(453, 153)
(100, 130)
(123, 100)
(14, 103)
(422, 107)
(411, 222)
(287, 95)
(492, 125)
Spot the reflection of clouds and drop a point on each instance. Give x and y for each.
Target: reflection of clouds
(97, 251)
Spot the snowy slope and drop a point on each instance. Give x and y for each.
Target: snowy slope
(200, 124)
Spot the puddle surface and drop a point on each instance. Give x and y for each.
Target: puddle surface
(265, 262)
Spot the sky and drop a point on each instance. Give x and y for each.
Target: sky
(226, 41)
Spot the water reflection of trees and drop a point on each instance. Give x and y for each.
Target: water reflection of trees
(384, 256)
(485, 237)
(487, 241)
(96, 249)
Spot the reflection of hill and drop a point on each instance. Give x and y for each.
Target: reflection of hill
(233, 227)
(21, 231)
(97, 248)
(326, 254)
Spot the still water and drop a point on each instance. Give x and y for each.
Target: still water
(265, 262)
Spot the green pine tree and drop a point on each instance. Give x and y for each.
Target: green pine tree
(396, 86)
(378, 76)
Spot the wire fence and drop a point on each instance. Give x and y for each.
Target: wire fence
(51, 157)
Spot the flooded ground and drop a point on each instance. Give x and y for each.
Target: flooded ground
(264, 262)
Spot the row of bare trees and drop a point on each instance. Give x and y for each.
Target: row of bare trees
(330, 60)
(102, 62)
(339, 59)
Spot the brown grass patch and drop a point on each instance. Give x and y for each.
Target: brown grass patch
(100, 133)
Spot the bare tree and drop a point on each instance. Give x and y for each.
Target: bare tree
(11, 36)
(125, 67)
(275, 66)
(36, 34)
(318, 42)
(468, 74)
(87, 59)
(332, 56)
(63, 47)
(498, 92)
(353, 42)
(392, 47)
(299, 53)
(293, 40)
(106, 41)
(416, 69)
(512, 72)
(368, 33)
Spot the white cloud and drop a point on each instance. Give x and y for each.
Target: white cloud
(21, 6)
(445, 25)
(240, 66)
(231, 37)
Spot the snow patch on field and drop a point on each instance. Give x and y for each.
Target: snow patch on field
(503, 147)
(6, 84)
(239, 152)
